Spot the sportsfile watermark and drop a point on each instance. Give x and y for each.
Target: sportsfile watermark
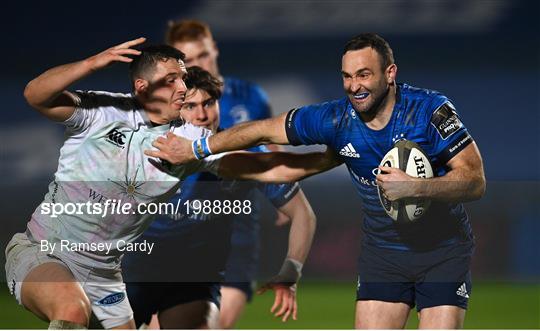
(111, 207)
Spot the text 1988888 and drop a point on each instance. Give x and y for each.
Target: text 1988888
(218, 207)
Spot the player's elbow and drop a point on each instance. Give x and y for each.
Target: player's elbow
(479, 188)
(29, 94)
(476, 188)
(33, 97)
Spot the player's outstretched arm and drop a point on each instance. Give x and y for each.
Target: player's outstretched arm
(47, 92)
(178, 150)
(303, 224)
(275, 167)
(465, 181)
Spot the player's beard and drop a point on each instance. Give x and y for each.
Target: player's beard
(372, 107)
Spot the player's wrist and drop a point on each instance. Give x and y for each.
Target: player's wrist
(419, 188)
(201, 148)
(89, 64)
(290, 271)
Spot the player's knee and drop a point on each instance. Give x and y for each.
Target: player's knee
(74, 310)
(226, 321)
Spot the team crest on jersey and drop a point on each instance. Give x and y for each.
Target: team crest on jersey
(446, 120)
(240, 114)
(116, 138)
(111, 299)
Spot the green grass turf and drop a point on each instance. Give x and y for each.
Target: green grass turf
(331, 306)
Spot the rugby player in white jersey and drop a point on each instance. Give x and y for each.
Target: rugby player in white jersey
(101, 161)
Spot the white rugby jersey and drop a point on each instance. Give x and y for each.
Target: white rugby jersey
(102, 159)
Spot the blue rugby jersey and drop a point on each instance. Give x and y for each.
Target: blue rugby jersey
(423, 116)
(242, 101)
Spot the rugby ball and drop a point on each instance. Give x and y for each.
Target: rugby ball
(409, 157)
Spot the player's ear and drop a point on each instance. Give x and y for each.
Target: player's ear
(391, 73)
(140, 85)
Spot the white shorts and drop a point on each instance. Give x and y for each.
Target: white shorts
(104, 288)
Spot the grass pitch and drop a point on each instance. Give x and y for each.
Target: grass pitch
(331, 306)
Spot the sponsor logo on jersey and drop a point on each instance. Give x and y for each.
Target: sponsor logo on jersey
(96, 196)
(462, 291)
(349, 151)
(111, 299)
(446, 121)
(363, 180)
(459, 144)
(116, 138)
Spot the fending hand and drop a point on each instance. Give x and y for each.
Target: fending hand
(118, 53)
(172, 148)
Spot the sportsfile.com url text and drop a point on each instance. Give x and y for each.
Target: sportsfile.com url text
(117, 207)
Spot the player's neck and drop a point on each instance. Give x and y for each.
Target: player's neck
(379, 117)
(159, 116)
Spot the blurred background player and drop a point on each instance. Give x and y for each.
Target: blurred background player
(180, 280)
(426, 263)
(241, 101)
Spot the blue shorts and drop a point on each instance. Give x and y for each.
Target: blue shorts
(241, 268)
(149, 298)
(424, 279)
(182, 268)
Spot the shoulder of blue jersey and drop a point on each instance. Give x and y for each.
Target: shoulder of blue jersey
(431, 99)
(422, 102)
(440, 111)
(243, 89)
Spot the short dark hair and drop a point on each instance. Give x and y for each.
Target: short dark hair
(198, 78)
(374, 41)
(149, 57)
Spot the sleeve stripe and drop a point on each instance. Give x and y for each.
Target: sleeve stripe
(460, 143)
(290, 129)
(285, 196)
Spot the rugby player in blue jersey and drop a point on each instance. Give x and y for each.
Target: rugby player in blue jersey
(180, 280)
(424, 264)
(240, 101)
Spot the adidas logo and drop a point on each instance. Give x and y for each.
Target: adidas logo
(116, 137)
(349, 151)
(462, 291)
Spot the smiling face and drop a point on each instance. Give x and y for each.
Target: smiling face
(201, 109)
(365, 81)
(163, 91)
